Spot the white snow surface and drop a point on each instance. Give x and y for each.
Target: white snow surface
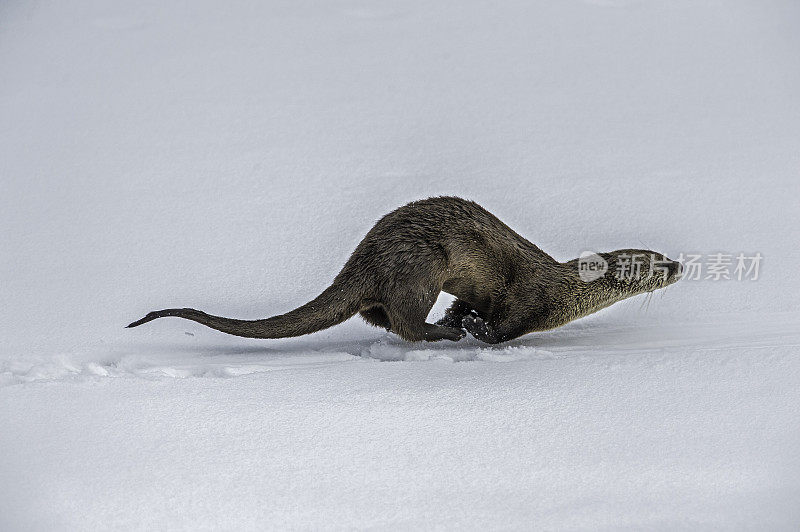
(228, 156)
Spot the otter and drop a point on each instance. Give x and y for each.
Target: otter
(505, 286)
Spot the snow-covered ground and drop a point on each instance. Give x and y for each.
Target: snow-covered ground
(228, 156)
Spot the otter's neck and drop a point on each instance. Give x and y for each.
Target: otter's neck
(577, 298)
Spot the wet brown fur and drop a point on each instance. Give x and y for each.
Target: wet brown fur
(505, 286)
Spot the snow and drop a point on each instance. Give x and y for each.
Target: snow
(229, 157)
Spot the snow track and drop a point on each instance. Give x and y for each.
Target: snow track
(198, 356)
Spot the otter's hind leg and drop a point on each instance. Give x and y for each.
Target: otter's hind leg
(414, 328)
(434, 333)
(377, 316)
(407, 313)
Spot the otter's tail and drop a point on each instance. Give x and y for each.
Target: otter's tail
(331, 307)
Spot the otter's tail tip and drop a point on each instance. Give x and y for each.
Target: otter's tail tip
(150, 317)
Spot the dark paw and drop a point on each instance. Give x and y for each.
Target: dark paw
(437, 333)
(478, 328)
(459, 334)
(454, 334)
(473, 323)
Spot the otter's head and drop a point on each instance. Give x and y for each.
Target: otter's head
(605, 278)
(598, 280)
(637, 271)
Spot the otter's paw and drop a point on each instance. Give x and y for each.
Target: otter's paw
(478, 328)
(454, 334)
(434, 333)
